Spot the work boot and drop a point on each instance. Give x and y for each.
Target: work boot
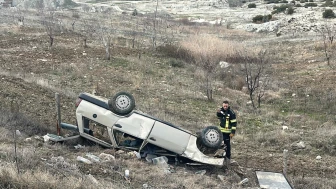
(227, 162)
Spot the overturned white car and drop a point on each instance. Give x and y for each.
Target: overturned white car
(115, 123)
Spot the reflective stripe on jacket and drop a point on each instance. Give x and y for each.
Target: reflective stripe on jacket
(228, 122)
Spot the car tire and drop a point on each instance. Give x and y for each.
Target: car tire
(122, 103)
(212, 137)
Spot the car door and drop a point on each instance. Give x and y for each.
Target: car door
(169, 137)
(135, 125)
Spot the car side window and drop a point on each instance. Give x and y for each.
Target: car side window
(99, 131)
(126, 140)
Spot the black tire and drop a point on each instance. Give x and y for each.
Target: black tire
(122, 103)
(212, 137)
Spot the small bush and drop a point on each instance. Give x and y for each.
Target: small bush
(298, 5)
(303, 1)
(282, 8)
(75, 15)
(252, 5)
(69, 4)
(310, 5)
(273, 1)
(290, 10)
(262, 18)
(135, 12)
(176, 63)
(328, 13)
(328, 3)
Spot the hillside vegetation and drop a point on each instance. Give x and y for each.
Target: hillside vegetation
(172, 67)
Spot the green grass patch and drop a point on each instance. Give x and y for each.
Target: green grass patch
(119, 62)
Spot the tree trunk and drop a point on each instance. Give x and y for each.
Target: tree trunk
(84, 42)
(251, 98)
(51, 41)
(259, 100)
(107, 49)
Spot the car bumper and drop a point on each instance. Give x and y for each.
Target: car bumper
(193, 153)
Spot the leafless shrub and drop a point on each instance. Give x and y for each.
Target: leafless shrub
(328, 34)
(255, 67)
(206, 52)
(51, 26)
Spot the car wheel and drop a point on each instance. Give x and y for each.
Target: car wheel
(122, 103)
(212, 137)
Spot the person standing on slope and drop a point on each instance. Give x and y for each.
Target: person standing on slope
(228, 125)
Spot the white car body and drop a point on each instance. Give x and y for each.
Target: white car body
(145, 128)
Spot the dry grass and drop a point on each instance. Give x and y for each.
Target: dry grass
(171, 93)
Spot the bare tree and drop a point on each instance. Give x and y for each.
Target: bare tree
(105, 35)
(39, 5)
(328, 33)
(206, 52)
(155, 24)
(50, 24)
(254, 70)
(88, 29)
(263, 86)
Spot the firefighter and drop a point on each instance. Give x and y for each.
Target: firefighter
(228, 124)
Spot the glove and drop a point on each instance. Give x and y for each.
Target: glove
(231, 135)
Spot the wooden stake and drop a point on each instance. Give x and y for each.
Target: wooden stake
(285, 157)
(58, 111)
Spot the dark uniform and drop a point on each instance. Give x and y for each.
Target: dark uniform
(228, 124)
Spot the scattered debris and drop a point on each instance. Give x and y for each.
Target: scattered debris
(245, 180)
(18, 133)
(224, 64)
(106, 157)
(93, 157)
(78, 146)
(300, 145)
(272, 180)
(46, 138)
(127, 173)
(120, 152)
(137, 154)
(162, 162)
(318, 157)
(221, 177)
(220, 153)
(150, 157)
(38, 138)
(28, 139)
(94, 180)
(201, 172)
(84, 160)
